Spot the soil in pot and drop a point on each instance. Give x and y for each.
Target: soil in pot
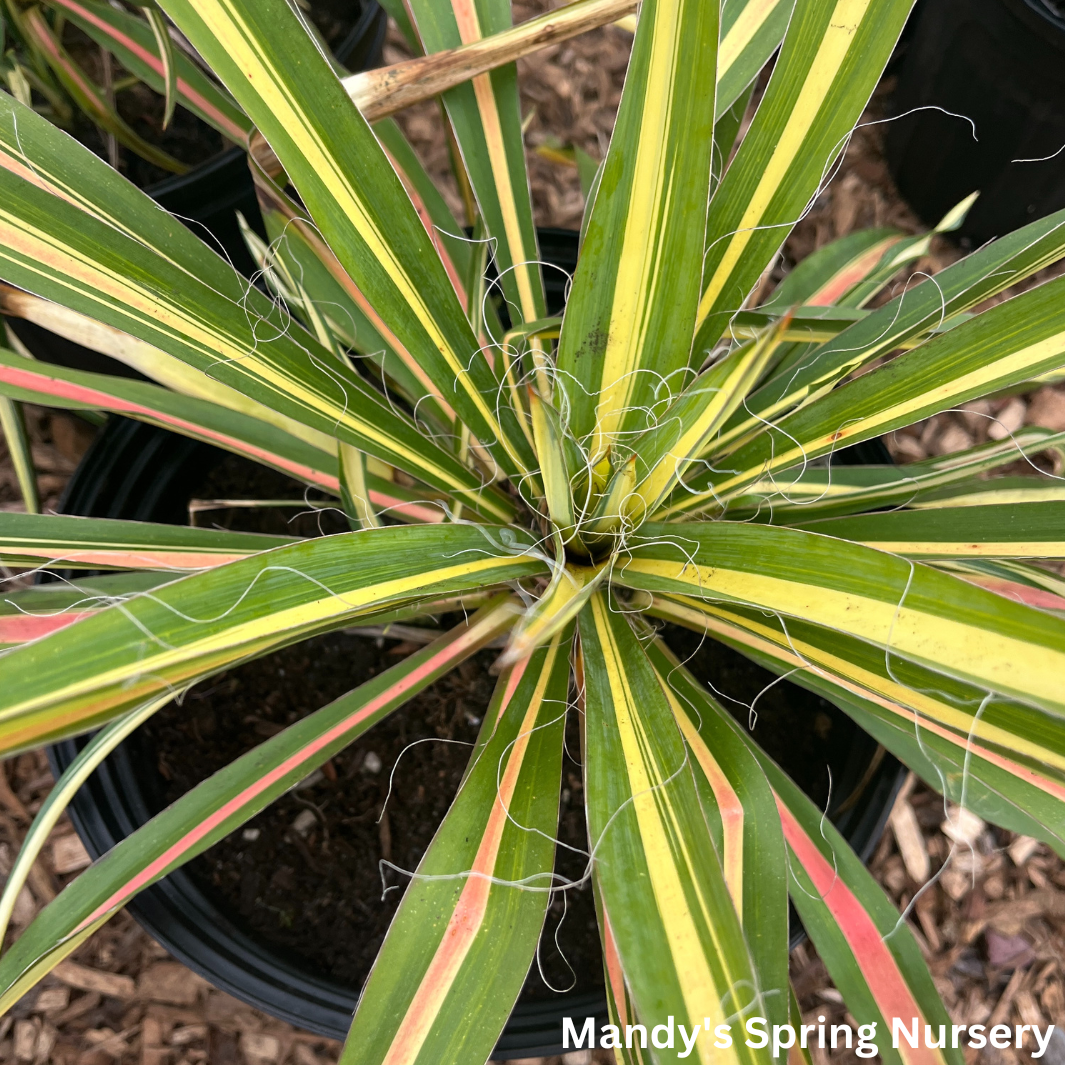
(306, 874)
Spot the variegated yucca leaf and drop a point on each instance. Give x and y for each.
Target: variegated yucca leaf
(909, 609)
(355, 198)
(197, 626)
(660, 878)
(816, 492)
(133, 43)
(109, 543)
(483, 885)
(829, 62)
(549, 469)
(627, 333)
(486, 117)
(229, 798)
(1002, 758)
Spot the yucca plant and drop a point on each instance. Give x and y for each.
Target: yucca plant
(656, 453)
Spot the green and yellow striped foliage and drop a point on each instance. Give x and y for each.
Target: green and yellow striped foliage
(660, 452)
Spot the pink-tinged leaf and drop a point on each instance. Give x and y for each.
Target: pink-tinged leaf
(128, 38)
(227, 799)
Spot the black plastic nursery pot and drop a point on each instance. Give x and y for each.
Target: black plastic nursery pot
(136, 471)
(1000, 64)
(208, 198)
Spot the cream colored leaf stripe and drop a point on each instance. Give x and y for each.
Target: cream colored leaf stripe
(832, 52)
(229, 26)
(674, 880)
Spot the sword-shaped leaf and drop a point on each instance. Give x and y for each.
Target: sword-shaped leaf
(58, 251)
(920, 614)
(926, 307)
(1005, 345)
(628, 328)
(941, 728)
(275, 70)
(69, 542)
(740, 810)
(150, 361)
(17, 441)
(55, 386)
(86, 95)
(1019, 530)
(1022, 581)
(867, 948)
(823, 492)
(661, 883)
(190, 628)
(486, 117)
(133, 43)
(226, 800)
(832, 56)
(751, 30)
(460, 945)
(30, 613)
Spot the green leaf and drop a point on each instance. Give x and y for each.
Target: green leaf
(63, 254)
(190, 628)
(13, 428)
(1007, 344)
(832, 56)
(226, 800)
(994, 530)
(739, 807)
(628, 328)
(55, 386)
(135, 45)
(1003, 758)
(867, 948)
(661, 883)
(110, 543)
(485, 114)
(932, 304)
(460, 945)
(823, 492)
(274, 69)
(921, 615)
(87, 96)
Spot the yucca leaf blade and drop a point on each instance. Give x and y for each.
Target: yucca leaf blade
(460, 945)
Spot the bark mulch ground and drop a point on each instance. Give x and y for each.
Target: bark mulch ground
(987, 908)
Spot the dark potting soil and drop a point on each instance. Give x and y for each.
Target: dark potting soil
(187, 138)
(317, 893)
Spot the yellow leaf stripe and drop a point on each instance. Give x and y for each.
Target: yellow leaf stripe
(239, 38)
(157, 668)
(1007, 664)
(742, 32)
(470, 30)
(728, 802)
(639, 265)
(835, 44)
(796, 653)
(974, 382)
(150, 361)
(658, 826)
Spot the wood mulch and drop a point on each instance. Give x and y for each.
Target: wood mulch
(987, 908)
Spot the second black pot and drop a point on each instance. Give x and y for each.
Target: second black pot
(1000, 64)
